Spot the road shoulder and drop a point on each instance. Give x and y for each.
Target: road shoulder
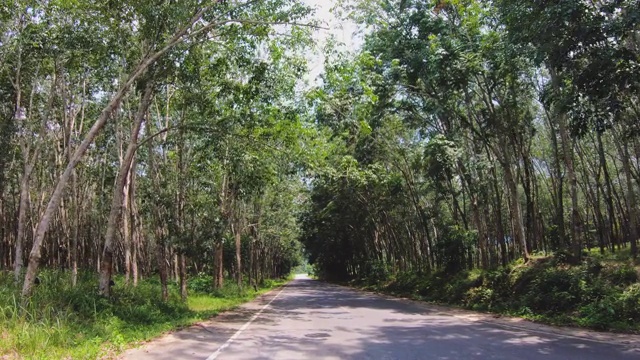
(201, 339)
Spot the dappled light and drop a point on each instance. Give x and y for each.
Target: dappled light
(310, 319)
(162, 162)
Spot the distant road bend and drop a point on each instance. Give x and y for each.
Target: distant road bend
(312, 320)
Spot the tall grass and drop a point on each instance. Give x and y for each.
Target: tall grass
(61, 321)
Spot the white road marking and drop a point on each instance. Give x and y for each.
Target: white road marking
(243, 328)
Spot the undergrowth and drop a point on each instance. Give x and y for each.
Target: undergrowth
(602, 292)
(61, 321)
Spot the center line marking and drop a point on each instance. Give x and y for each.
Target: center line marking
(243, 328)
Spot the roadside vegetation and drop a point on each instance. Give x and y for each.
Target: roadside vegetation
(150, 154)
(145, 143)
(486, 154)
(61, 321)
(601, 293)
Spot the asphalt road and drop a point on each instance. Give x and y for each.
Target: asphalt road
(312, 320)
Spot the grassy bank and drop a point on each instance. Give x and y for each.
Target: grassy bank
(602, 292)
(65, 322)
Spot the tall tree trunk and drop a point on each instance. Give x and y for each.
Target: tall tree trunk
(567, 154)
(126, 228)
(136, 226)
(181, 203)
(631, 200)
(183, 276)
(29, 158)
(608, 192)
(557, 182)
(218, 275)
(118, 193)
(161, 251)
(58, 192)
(237, 238)
(22, 216)
(516, 212)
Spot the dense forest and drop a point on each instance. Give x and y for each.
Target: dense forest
(176, 141)
(469, 134)
(485, 155)
(147, 138)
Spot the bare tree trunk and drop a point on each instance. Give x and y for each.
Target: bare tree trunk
(126, 229)
(516, 211)
(576, 236)
(56, 196)
(592, 194)
(136, 230)
(75, 231)
(237, 234)
(162, 265)
(30, 159)
(567, 151)
(183, 276)
(22, 214)
(76, 201)
(117, 200)
(607, 193)
(225, 210)
(136, 244)
(218, 266)
(182, 262)
(631, 201)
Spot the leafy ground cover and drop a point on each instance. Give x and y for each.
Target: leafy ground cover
(601, 292)
(74, 322)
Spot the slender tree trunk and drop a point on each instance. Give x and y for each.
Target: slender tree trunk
(118, 193)
(162, 263)
(126, 229)
(557, 184)
(30, 158)
(181, 203)
(76, 201)
(218, 266)
(516, 212)
(136, 226)
(183, 276)
(237, 237)
(631, 201)
(225, 210)
(56, 196)
(567, 153)
(22, 215)
(608, 194)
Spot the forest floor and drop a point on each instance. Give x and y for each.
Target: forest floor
(602, 292)
(64, 322)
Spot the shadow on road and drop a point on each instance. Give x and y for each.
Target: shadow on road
(314, 320)
(372, 327)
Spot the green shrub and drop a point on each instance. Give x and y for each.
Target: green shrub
(553, 291)
(200, 284)
(479, 298)
(621, 275)
(630, 304)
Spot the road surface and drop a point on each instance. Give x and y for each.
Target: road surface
(313, 320)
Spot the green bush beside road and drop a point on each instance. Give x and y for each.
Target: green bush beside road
(599, 293)
(61, 321)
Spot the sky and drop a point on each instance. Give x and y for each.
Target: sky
(342, 30)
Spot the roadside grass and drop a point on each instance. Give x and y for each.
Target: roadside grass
(602, 292)
(64, 322)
